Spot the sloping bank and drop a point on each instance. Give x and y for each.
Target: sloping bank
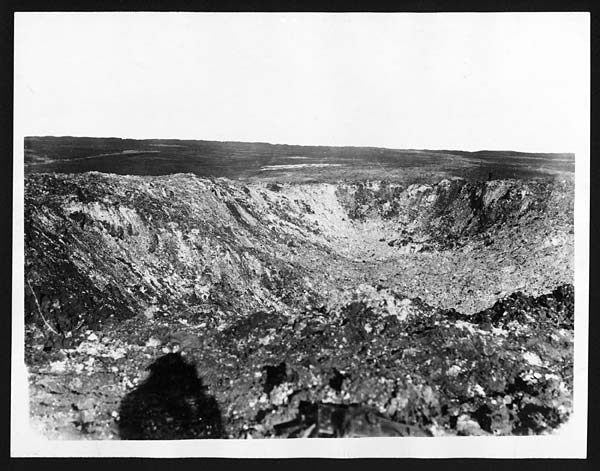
(247, 280)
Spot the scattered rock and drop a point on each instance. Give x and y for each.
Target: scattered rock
(469, 331)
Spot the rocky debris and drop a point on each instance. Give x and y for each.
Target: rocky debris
(425, 370)
(280, 305)
(342, 421)
(552, 310)
(454, 211)
(127, 246)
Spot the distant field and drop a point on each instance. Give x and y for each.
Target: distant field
(277, 162)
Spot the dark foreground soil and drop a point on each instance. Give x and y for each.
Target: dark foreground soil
(181, 307)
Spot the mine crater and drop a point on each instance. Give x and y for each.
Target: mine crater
(410, 304)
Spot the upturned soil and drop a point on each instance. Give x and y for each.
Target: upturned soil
(186, 307)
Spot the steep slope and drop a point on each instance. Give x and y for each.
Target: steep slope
(243, 277)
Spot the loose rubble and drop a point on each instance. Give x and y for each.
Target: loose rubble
(356, 309)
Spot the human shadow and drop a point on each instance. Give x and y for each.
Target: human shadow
(171, 404)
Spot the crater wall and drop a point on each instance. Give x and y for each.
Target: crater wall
(441, 309)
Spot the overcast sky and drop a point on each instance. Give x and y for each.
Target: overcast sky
(458, 81)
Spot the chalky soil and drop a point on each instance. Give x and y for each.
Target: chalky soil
(177, 307)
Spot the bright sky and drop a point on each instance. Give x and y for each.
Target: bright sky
(453, 81)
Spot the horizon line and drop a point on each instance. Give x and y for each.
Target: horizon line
(294, 145)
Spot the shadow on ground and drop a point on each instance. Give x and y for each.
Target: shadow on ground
(171, 404)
